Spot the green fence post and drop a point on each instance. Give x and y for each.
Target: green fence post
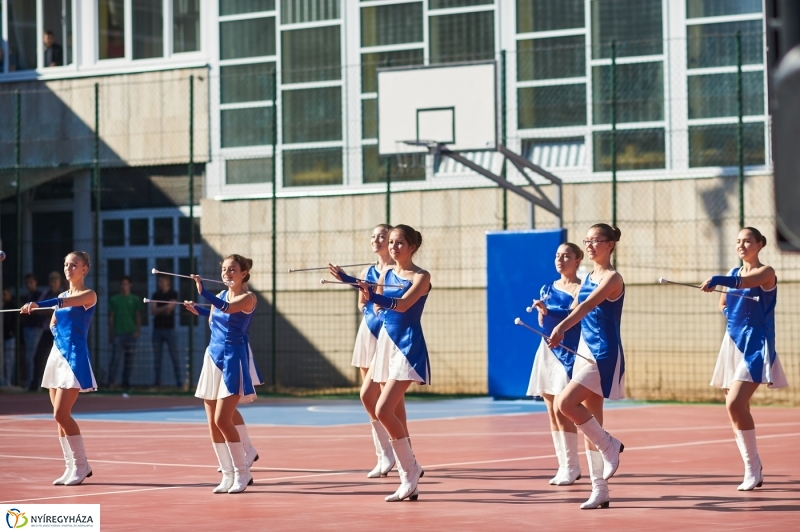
(503, 135)
(18, 192)
(740, 126)
(274, 316)
(192, 262)
(96, 251)
(614, 133)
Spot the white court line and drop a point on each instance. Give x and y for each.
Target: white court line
(327, 473)
(10, 433)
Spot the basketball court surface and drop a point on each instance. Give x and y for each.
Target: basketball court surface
(486, 463)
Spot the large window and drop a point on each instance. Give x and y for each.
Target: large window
(248, 171)
(634, 25)
(552, 106)
(462, 37)
(22, 35)
(300, 11)
(312, 115)
(559, 57)
(111, 18)
(57, 33)
(312, 167)
(409, 167)
(549, 15)
(185, 26)
(249, 126)
(148, 29)
(247, 38)
(392, 24)
(311, 55)
(237, 7)
(636, 149)
(719, 33)
(638, 94)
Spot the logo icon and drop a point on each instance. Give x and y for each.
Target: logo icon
(17, 516)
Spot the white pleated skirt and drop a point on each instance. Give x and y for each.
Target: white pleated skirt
(364, 350)
(253, 373)
(548, 375)
(391, 363)
(587, 374)
(58, 373)
(211, 385)
(731, 366)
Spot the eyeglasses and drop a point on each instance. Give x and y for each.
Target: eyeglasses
(593, 242)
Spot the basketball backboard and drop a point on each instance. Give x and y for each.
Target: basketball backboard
(454, 105)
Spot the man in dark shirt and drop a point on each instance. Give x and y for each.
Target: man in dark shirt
(164, 328)
(53, 53)
(31, 330)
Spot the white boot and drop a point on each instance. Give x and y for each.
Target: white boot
(753, 478)
(609, 447)
(241, 473)
(409, 470)
(82, 469)
(558, 445)
(68, 459)
(225, 466)
(249, 450)
(383, 449)
(599, 497)
(572, 464)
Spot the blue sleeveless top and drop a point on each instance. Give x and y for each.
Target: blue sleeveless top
(751, 325)
(70, 336)
(405, 328)
(600, 330)
(558, 303)
(228, 347)
(373, 319)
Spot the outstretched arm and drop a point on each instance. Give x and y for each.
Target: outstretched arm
(610, 287)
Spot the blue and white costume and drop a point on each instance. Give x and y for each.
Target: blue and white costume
(401, 353)
(69, 364)
(601, 339)
(552, 368)
(255, 375)
(227, 356)
(748, 348)
(370, 328)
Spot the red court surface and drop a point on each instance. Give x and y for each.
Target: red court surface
(679, 471)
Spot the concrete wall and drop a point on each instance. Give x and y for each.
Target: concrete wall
(144, 119)
(682, 229)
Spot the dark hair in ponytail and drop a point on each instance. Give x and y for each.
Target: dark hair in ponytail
(575, 249)
(757, 235)
(244, 263)
(413, 237)
(610, 233)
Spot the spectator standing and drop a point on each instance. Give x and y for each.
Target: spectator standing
(124, 327)
(164, 328)
(55, 287)
(31, 329)
(53, 53)
(9, 338)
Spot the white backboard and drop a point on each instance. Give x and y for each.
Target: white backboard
(453, 104)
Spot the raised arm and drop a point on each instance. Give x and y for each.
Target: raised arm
(86, 298)
(610, 287)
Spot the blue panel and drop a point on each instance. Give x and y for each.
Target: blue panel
(518, 264)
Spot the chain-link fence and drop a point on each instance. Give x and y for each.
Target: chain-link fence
(655, 135)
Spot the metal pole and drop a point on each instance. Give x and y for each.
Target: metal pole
(740, 128)
(503, 136)
(274, 314)
(192, 262)
(96, 164)
(18, 178)
(388, 189)
(614, 133)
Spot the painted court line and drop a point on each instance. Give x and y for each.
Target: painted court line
(326, 473)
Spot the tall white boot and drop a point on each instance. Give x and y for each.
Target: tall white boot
(409, 470)
(558, 445)
(609, 447)
(226, 466)
(753, 478)
(599, 497)
(383, 449)
(572, 464)
(241, 473)
(82, 469)
(249, 450)
(70, 461)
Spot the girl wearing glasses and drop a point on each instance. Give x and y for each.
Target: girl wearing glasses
(552, 368)
(747, 357)
(599, 312)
